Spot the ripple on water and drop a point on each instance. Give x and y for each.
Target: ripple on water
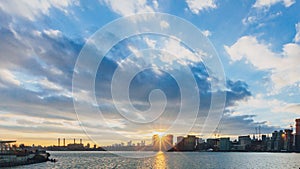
(171, 160)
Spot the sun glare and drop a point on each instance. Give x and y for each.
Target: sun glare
(160, 134)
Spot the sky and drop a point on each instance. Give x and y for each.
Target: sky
(45, 73)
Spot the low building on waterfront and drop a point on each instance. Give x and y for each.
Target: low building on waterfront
(213, 143)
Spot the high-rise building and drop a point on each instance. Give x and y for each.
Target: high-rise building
(190, 142)
(88, 145)
(156, 142)
(186, 143)
(179, 139)
(288, 140)
(225, 144)
(297, 135)
(143, 143)
(244, 142)
(166, 142)
(129, 143)
(278, 140)
(179, 143)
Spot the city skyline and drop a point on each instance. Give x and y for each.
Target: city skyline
(257, 43)
(286, 140)
(257, 135)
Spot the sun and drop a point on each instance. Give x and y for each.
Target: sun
(160, 134)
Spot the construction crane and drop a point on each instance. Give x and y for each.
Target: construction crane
(217, 133)
(259, 133)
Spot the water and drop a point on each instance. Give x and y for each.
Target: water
(185, 160)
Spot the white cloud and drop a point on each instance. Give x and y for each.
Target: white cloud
(249, 20)
(164, 24)
(257, 53)
(283, 66)
(15, 33)
(263, 108)
(36, 33)
(113, 123)
(196, 6)
(183, 55)
(134, 50)
(52, 33)
(206, 33)
(178, 52)
(260, 17)
(268, 3)
(150, 42)
(9, 77)
(49, 85)
(129, 7)
(294, 108)
(155, 4)
(259, 102)
(297, 36)
(56, 71)
(33, 8)
(287, 107)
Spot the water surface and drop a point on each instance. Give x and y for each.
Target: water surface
(185, 160)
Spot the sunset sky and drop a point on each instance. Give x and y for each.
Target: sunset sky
(257, 41)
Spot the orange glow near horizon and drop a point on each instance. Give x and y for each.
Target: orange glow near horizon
(29, 142)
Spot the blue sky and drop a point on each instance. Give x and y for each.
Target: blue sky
(258, 43)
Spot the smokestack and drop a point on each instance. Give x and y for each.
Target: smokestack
(80, 141)
(58, 142)
(64, 142)
(74, 141)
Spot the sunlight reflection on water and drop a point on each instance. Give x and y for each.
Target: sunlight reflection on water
(160, 160)
(172, 160)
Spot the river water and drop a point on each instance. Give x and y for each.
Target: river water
(184, 160)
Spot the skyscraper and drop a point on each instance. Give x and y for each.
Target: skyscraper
(162, 143)
(156, 142)
(225, 144)
(288, 140)
(166, 142)
(297, 135)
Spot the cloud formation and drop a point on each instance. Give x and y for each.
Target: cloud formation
(31, 10)
(283, 66)
(196, 6)
(297, 36)
(130, 7)
(268, 3)
(38, 58)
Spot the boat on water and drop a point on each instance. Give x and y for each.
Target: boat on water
(13, 156)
